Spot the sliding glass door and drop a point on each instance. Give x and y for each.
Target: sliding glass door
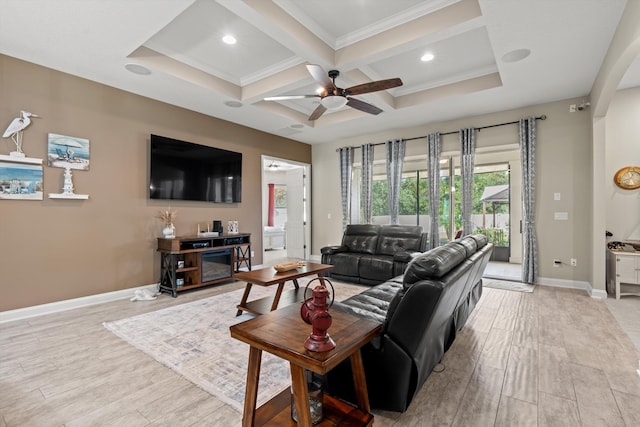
(491, 202)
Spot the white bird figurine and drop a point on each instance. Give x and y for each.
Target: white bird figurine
(16, 127)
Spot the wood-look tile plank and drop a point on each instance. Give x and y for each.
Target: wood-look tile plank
(465, 350)
(554, 372)
(549, 331)
(528, 304)
(479, 404)
(172, 402)
(554, 411)
(483, 319)
(194, 410)
(526, 331)
(506, 318)
(514, 412)
(596, 403)
(521, 376)
(495, 352)
(437, 402)
(629, 405)
(135, 401)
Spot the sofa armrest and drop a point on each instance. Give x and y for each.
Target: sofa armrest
(330, 250)
(401, 260)
(424, 241)
(405, 256)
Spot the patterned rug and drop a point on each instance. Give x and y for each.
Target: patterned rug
(507, 285)
(193, 339)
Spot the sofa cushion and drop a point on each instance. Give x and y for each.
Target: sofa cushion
(481, 240)
(435, 263)
(469, 244)
(373, 303)
(361, 238)
(346, 264)
(376, 267)
(399, 238)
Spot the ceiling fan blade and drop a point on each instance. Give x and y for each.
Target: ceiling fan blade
(363, 106)
(285, 97)
(320, 75)
(317, 112)
(373, 86)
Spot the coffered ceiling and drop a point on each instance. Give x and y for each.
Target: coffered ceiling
(477, 46)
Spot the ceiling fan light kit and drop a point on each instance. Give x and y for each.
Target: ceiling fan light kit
(333, 102)
(333, 97)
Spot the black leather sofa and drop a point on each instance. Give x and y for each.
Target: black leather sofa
(421, 312)
(370, 253)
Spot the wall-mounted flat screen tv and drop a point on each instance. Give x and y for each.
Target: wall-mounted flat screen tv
(181, 170)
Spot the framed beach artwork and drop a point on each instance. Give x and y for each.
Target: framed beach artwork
(68, 151)
(20, 181)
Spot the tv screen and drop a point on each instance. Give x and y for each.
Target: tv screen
(182, 170)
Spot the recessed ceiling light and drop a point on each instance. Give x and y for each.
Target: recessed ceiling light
(427, 57)
(516, 55)
(229, 39)
(137, 69)
(233, 104)
(296, 126)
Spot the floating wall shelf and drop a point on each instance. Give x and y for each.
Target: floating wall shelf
(30, 160)
(68, 196)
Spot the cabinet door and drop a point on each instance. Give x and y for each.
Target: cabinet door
(626, 269)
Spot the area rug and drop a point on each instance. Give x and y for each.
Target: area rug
(193, 339)
(507, 285)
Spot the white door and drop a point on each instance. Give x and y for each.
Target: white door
(296, 221)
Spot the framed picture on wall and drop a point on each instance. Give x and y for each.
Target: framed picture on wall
(20, 181)
(280, 195)
(63, 151)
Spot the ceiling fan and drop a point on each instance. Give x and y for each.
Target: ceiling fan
(333, 97)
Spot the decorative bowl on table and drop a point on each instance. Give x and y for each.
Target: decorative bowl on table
(289, 266)
(634, 243)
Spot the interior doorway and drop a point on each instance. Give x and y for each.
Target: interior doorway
(286, 201)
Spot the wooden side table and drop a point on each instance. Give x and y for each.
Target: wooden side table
(282, 333)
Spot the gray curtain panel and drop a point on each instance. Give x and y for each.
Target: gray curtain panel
(346, 166)
(395, 158)
(367, 181)
(433, 146)
(468, 150)
(528, 161)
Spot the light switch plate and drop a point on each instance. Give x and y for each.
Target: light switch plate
(561, 216)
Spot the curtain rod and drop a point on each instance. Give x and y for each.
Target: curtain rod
(542, 117)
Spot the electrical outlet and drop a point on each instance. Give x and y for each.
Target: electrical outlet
(557, 262)
(574, 262)
(253, 254)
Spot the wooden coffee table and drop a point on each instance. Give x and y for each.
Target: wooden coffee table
(282, 333)
(269, 276)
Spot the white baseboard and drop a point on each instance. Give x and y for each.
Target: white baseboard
(58, 306)
(573, 284)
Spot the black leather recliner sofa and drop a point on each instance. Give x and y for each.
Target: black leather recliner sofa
(421, 312)
(370, 253)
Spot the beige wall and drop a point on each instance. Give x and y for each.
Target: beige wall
(622, 149)
(54, 250)
(563, 158)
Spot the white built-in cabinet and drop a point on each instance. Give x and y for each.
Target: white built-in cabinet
(623, 267)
